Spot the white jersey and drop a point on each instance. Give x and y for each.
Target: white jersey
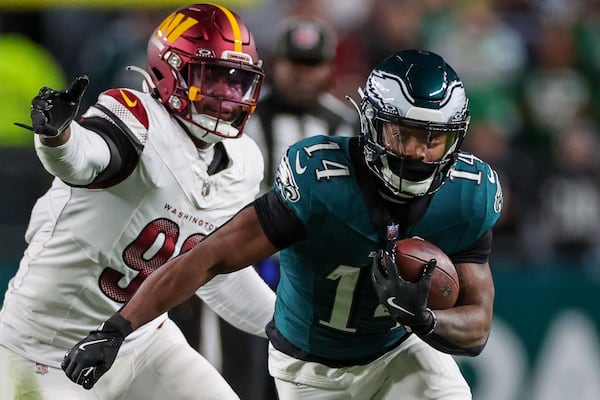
(90, 248)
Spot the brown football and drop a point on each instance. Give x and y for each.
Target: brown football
(411, 256)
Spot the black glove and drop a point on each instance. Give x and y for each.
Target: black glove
(52, 111)
(89, 359)
(405, 301)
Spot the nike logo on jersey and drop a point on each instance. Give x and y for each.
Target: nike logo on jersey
(390, 302)
(130, 103)
(83, 346)
(299, 168)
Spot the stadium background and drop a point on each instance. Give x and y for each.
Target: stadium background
(531, 68)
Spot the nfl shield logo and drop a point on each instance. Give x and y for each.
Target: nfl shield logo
(41, 369)
(392, 231)
(205, 189)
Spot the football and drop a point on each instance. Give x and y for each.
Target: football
(411, 256)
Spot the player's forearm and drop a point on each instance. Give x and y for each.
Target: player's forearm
(165, 288)
(465, 328)
(76, 156)
(238, 243)
(460, 330)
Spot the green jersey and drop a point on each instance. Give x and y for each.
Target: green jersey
(326, 305)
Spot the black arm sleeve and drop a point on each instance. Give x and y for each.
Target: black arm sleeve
(279, 222)
(477, 253)
(124, 154)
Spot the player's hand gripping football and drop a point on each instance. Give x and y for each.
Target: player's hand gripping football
(89, 359)
(53, 110)
(405, 301)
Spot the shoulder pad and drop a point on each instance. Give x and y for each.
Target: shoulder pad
(131, 103)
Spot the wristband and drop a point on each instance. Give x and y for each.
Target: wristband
(427, 327)
(433, 324)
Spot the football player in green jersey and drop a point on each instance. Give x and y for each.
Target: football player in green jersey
(336, 202)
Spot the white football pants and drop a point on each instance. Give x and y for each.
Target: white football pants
(412, 371)
(164, 367)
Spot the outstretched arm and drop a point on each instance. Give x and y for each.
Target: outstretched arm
(238, 243)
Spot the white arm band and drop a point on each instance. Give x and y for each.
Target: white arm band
(78, 161)
(241, 298)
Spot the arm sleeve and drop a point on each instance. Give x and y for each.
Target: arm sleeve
(478, 253)
(279, 222)
(242, 299)
(78, 161)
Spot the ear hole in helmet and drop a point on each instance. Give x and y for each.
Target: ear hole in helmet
(157, 73)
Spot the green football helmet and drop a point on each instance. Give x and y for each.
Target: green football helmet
(415, 89)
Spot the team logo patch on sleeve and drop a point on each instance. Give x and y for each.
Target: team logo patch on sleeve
(132, 103)
(285, 180)
(499, 198)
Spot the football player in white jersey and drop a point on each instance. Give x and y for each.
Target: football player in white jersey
(142, 177)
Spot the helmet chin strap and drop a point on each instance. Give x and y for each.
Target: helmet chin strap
(403, 187)
(199, 136)
(197, 129)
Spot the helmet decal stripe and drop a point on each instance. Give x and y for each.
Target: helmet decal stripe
(235, 28)
(174, 26)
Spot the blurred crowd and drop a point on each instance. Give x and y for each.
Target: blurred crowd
(531, 69)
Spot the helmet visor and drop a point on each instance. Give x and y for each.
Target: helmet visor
(227, 82)
(420, 142)
(227, 91)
